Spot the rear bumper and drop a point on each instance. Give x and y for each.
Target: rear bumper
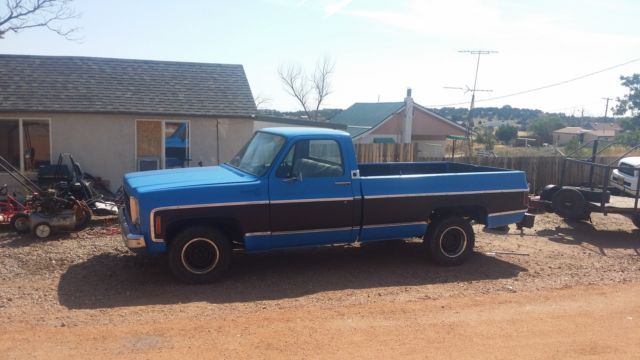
(527, 221)
(131, 240)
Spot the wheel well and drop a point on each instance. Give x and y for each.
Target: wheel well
(475, 212)
(227, 226)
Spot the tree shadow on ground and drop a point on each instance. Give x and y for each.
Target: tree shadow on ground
(109, 280)
(580, 233)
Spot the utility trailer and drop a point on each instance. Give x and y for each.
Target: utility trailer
(578, 202)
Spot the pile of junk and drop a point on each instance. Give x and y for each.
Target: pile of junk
(63, 198)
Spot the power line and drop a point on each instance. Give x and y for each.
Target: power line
(544, 86)
(474, 90)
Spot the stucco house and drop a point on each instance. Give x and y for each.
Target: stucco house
(399, 122)
(565, 135)
(120, 115)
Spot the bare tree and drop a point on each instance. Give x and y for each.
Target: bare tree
(27, 14)
(309, 91)
(261, 100)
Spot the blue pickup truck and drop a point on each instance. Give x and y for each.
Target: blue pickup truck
(295, 187)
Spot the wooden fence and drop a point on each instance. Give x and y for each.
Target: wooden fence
(376, 153)
(540, 170)
(544, 170)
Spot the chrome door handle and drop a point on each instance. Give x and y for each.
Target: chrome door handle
(343, 182)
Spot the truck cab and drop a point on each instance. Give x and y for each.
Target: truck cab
(625, 177)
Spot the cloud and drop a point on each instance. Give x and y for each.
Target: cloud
(438, 18)
(336, 7)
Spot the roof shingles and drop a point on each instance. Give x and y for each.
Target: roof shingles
(103, 85)
(362, 117)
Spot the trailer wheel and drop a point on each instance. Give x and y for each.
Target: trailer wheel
(570, 204)
(20, 223)
(42, 230)
(449, 240)
(635, 218)
(199, 255)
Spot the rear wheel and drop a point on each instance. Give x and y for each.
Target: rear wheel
(20, 223)
(449, 240)
(42, 230)
(199, 255)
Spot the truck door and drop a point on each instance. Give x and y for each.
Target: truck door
(311, 196)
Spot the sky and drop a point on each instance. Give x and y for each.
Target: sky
(380, 48)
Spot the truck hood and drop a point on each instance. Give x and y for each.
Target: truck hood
(159, 180)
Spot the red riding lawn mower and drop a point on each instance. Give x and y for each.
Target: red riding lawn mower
(13, 211)
(65, 203)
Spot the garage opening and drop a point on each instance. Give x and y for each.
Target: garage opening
(25, 143)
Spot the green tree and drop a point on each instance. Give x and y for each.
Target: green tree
(506, 133)
(487, 137)
(629, 104)
(572, 146)
(544, 126)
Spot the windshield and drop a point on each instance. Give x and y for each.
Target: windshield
(256, 156)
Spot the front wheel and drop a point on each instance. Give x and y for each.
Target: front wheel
(449, 240)
(199, 255)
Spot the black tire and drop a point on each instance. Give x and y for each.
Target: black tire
(635, 218)
(20, 223)
(449, 240)
(199, 255)
(548, 192)
(570, 204)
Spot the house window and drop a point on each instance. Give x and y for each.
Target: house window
(162, 144)
(25, 143)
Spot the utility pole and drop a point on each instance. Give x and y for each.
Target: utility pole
(473, 90)
(606, 107)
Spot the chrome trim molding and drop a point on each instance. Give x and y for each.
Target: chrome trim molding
(443, 193)
(394, 224)
(153, 212)
(310, 200)
(349, 228)
(260, 233)
(509, 212)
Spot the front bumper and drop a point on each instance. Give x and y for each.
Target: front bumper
(131, 240)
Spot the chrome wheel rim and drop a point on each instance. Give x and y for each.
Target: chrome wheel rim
(200, 255)
(453, 241)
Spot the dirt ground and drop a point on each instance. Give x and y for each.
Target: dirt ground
(562, 290)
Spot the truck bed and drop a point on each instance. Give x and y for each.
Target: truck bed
(401, 195)
(424, 168)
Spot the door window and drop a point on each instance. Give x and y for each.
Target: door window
(312, 159)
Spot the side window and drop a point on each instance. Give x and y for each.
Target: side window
(312, 159)
(325, 150)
